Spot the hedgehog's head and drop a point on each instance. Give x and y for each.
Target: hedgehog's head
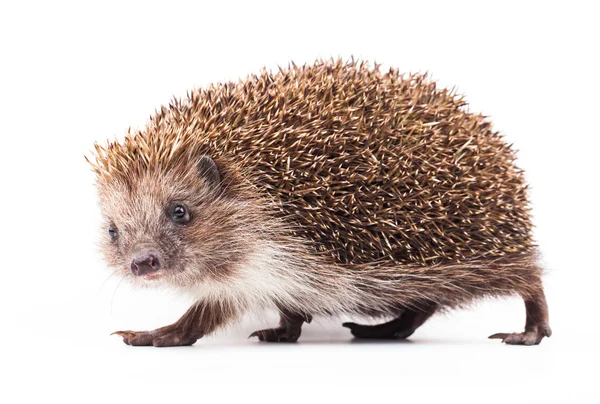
(176, 223)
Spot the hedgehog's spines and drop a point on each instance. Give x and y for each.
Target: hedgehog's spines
(371, 166)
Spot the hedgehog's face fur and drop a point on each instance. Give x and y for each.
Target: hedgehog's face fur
(170, 227)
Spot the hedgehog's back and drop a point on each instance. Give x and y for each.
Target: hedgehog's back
(372, 166)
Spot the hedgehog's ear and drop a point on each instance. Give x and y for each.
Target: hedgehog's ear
(209, 170)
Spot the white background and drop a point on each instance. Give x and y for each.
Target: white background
(73, 73)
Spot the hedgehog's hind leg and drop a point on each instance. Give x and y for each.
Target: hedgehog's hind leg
(289, 330)
(399, 328)
(536, 323)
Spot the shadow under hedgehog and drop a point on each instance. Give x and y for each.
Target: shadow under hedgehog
(320, 190)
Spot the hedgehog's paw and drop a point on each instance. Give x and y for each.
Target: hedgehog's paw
(162, 337)
(136, 338)
(175, 338)
(380, 331)
(279, 334)
(531, 337)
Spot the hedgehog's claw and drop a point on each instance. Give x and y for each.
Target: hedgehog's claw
(127, 335)
(166, 336)
(136, 338)
(124, 334)
(279, 334)
(289, 330)
(531, 337)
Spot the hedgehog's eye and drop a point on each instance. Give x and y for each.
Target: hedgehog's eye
(113, 233)
(180, 214)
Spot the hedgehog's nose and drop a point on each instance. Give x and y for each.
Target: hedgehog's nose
(145, 264)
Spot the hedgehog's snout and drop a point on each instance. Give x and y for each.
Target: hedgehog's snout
(145, 262)
(145, 265)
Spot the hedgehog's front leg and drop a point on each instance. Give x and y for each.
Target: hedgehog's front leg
(200, 319)
(289, 330)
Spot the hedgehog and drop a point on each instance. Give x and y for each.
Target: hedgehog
(333, 189)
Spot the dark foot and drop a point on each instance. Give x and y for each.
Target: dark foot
(536, 323)
(162, 337)
(382, 331)
(532, 337)
(289, 330)
(400, 328)
(279, 334)
(200, 319)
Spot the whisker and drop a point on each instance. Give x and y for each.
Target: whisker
(114, 293)
(104, 283)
